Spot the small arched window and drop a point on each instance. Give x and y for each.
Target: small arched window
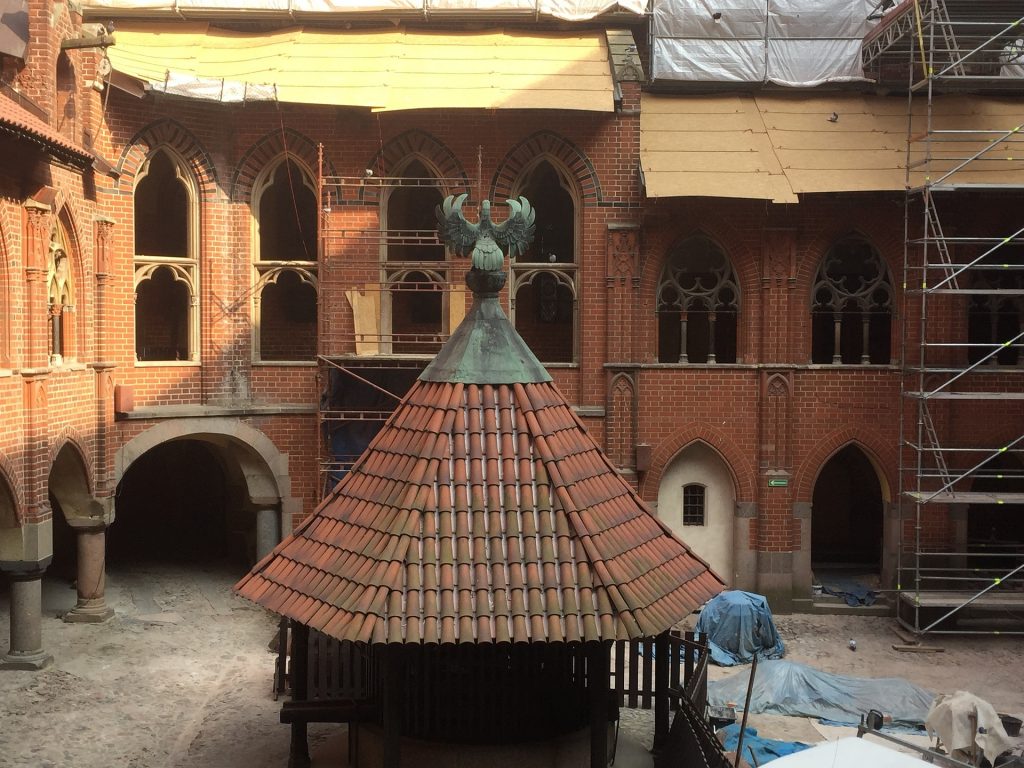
(166, 267)
(544, 286)
(698, 305)
(851, 306)
(694, 504)
(286, 271)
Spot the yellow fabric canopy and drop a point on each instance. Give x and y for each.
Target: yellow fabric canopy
(778, 146)
(380, 70)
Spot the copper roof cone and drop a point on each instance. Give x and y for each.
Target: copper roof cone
(483, 512)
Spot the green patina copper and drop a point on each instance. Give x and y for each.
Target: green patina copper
(485, 348)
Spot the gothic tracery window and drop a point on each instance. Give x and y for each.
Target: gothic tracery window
(698, 304)
(286, 274)
(851, 306)
(544, 287)
(166, 264)
(996, 311)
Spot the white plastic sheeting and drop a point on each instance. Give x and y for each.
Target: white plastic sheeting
(787, 42)
(570, 10)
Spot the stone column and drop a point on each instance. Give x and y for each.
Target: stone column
(26, 651)
(92, 576)
(268, 532)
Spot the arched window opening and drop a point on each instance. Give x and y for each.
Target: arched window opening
(994, 319)
(166, 267)
(66, 111)
(288, 317)
(60, 293)
(285, 302)
(544, 299)
(287, 216)
(162, 210)
(161, 315)
(851, 314)
(694, 504)
(698, 305)
(415, 305)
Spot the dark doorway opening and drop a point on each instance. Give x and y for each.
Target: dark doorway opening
(173, 506)
(846, 517)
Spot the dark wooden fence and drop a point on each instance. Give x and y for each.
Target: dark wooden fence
(341, 683)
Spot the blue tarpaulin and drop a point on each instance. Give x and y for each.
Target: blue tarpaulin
(737, 625)
(787, 688)
(762, 749)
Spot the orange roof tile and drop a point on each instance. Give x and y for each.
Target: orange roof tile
(18, 121)
(483, 513)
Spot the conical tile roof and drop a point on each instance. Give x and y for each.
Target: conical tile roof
(482, 512)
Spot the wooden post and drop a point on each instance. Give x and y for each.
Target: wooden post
(597, 683)
(298, 754)
(661, 703)
(392, 706)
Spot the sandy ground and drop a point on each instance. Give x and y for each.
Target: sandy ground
(181, 676)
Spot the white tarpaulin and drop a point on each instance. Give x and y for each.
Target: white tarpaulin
(570, 10)
(788, 42)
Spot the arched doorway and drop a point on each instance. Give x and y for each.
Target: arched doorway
(697, 500)
(199, 491)
(172, 506)
(847, 515)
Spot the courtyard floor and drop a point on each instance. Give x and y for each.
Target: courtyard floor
(181, 676)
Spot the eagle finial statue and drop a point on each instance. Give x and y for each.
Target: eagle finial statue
(485, 241)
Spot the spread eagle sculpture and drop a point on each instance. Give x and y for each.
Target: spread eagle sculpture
(486, 241)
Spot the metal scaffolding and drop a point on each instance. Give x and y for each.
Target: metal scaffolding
(962, 340)
(404, 297)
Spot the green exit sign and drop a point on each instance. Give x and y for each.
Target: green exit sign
(778, 482)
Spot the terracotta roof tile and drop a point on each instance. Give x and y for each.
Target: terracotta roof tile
(482, 514)
(17, 120)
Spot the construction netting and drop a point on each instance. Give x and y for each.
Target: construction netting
(787, 42)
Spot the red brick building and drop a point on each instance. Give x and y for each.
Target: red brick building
(209, 304)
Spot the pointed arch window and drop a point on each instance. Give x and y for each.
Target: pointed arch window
(166, 265)
(416, 307)
(60, 293)
(285, 268)
(851, 309)
(698, 305)
(544, 283)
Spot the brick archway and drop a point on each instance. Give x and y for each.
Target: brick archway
(172, 134)
(286, 141)
(414, 143)
(875, 447)
(668, 449)
(545, 143)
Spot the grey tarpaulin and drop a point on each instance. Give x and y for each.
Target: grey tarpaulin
(737, 625)
(788, 688)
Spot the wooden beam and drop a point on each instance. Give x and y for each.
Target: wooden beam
(598, 690)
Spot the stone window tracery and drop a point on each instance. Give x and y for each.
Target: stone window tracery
(698, 305)
(286, 264)
(544, 289)
(994, 319)
(166, 263)
(851, 307)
